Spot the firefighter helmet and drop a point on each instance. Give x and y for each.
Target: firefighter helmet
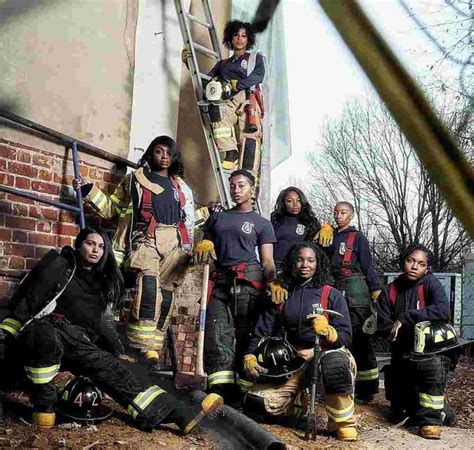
(81, 400)
(218, 90)
(279, 357)
(434, 337)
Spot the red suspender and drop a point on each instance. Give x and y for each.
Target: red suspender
(347, 259)
(325, 299)
(392, 293)
(420, 294)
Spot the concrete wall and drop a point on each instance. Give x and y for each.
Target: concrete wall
(467, 328)
(69, 66)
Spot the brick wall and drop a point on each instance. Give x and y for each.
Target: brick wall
(29, 229)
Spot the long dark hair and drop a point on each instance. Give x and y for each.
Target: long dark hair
(322, 275)
(107, 268)
(233, 27)
(306, 215)
(176, 167)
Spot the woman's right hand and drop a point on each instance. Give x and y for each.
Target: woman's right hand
(77, 183)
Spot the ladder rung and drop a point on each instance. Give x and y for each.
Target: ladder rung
(205, 50)
(199, 21)
(205, 76)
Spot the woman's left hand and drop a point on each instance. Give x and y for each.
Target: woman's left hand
(307, 354)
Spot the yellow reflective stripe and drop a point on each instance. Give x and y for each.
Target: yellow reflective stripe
(222, 377)
(244, 384)
(143, 399)
(432, 401)
(99, 200)
(115, 200)
(11, 325)
(367, 375)
(42, 375)
(155, 337)
(119, 256)
(340, 415)
(223, 132)
(142, 328)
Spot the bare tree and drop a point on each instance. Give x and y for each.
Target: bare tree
(366, 159)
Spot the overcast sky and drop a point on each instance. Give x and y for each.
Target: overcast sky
(323, 75)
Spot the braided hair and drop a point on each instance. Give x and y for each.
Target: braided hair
(322, 275)
(412, 248)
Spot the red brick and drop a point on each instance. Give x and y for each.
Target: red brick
(95, 174)
(6, 179)
(5, 235)
(46, 227)
(19, 236)
(19, 250)
(41, 251)
(45, 175)
(188, 344)
(16, 262)
(7, 152)
(84, 170)
(67, 230)
(30, 263)
(18, 199)
(63, 241)
(3, 164)
(43, 161)
(20, 210)
(23, 157)
(186, 367)
(22, 183)
(42, 239)
(63, 179)
(2, 220)
(20, 222)
(47, 188)
(188, 352)
(5, 207)
(44, 213)
(66, 216)
(22, 169)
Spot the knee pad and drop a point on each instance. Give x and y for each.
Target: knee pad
(336, 374)
(147, 296)
(214, 113)
(250, 155)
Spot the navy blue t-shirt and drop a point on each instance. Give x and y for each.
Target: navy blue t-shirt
(236, 234)
(166, 208)
(288, 232)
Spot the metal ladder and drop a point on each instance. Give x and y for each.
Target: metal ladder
(197, 76)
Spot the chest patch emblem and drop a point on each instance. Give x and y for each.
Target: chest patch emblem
(244, 64)
(300, 229)
(247, 227)
(176, 195)
(342, 248)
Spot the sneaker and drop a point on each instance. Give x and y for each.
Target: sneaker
(44, 419)
(347, 434)
(363, 399)
(430, 432)
(191, 416)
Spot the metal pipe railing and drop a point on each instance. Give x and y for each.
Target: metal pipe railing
(75, 146)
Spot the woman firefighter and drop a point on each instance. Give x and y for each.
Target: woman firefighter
(230, 238)
(284, 336)
(153, 240)
(62, 319)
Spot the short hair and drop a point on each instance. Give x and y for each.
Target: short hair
(349, 205)
(244, 173)
(412, 248)
(176, 166)
(233, 27)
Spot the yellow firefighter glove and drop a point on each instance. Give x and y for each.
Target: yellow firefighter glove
(322, 328)
(374, 295)
(278, 292)
(204, 252)
(252, 368)
(325, 235)
(185, 54)
(233, 84)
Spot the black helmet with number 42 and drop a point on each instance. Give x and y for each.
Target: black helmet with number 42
(432, 338)
(279, 357)
(81, 401)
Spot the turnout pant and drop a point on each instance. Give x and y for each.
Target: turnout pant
(230, 320)
(357, 295)
(417, 387)
(337, 375)
(48, 345)
(159, 263)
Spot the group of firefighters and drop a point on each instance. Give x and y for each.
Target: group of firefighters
(275, 286)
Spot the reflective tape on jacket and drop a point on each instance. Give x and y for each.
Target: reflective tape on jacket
(367, 375)
(143, 332)
(143, 399)
(224, 132)
(245, 385)
(340, 415)
(119, 256)
(431, 401)
(221, 377)
(42, 375)
(11, 325)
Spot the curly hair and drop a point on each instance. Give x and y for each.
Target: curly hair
(176, 167)
(412, 248)
(322, 275)
(107, 267)
(306, 216)
(244, 173)
(233, 27)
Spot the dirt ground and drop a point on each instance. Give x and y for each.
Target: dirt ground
(376, 432)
